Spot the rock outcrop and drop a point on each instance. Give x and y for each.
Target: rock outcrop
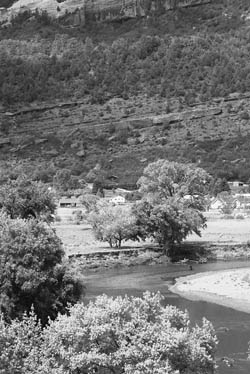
(79, 11)
(122, 9)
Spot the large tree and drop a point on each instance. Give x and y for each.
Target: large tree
(24, 198)
(174, 196)
(32, 270)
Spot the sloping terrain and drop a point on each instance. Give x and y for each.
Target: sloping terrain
(96, 9)
(125, 135)
(124, 94)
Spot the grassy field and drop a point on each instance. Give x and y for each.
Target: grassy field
(225, 231)
(79, 239)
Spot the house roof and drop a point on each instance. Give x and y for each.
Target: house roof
(68, 200)
(118, 197)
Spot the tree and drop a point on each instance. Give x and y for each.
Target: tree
(113, 224)
(168, 222)
(89, 201)
(220, 185)
(229, 203)
(64, 180)
(173, 199)
(24, 198)
(32, 271)
(128, 335)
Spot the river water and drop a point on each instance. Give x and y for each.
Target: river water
(232, 326)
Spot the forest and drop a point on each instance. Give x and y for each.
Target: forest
(41, 60)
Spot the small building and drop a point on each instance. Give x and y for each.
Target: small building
(118, 200)
(69, 202)
(216, 204)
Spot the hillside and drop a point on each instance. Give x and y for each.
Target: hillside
(98, 10)
(122, 94)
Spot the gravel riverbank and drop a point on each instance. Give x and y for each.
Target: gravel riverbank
(230, 288)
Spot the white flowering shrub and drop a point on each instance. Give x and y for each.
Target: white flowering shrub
(127, 335)
(20, 343)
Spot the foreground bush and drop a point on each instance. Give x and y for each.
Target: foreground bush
(32, 271)
(20, 343)
(121, 335)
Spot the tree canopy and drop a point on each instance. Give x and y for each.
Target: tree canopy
(173, 199)
(65, 181)
(129, 335)
(24, 198)
(32, 271)
(113, 224)
(163, 180)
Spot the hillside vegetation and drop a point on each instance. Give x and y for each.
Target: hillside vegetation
(179, 59)
(197, 66)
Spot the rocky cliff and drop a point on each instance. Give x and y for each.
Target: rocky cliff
(98, 10)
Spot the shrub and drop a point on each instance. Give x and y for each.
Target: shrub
(110, 335)
(245, 115)
(128, 335)
(58, 218)
(227, 216)
(20, 343)
(239, 216)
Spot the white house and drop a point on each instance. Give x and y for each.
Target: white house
(216, 204)
(118, 200)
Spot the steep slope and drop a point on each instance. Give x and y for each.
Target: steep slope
(174, 86)
(126, 134)
(95, 9)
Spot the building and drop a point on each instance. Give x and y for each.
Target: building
(216, 204)
(69, 202)
(118, 200)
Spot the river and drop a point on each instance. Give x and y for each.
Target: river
(232, 326)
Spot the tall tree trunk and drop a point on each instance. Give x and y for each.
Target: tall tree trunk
(119, 242)
(168, 248)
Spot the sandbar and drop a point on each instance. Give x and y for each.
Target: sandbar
(230, 288)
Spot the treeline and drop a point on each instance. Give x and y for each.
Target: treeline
(192, 69)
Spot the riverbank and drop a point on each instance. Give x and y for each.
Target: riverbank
(230, 288)
(187, 254)
(224, 234)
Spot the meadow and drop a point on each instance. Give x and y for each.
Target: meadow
(79, 238)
